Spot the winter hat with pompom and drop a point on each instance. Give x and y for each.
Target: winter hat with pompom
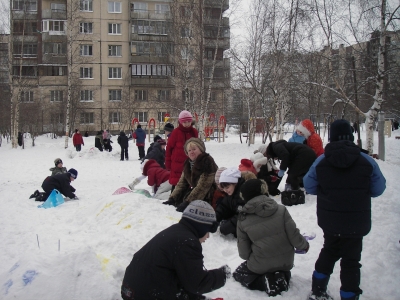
(253, 188)
(185, 116)
(341, 130)
(247, 165)
(306, 127)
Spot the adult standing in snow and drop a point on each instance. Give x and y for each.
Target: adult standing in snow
(170, 266)
(123, 142)
(296, 157)
(59, 168)
(197, 180)
(98, 140)
(344, 180)
(313, 140)
(77, 140)
(140, 136)
(175, 154)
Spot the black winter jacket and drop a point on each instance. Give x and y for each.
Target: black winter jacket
(123, 140)
(228, 207)
(157, 154)
(61, 182)
(169, 262)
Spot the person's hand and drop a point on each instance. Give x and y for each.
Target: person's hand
(302, 251)
(227, 270)
(181, 207)
(281, 173)
(170, 201)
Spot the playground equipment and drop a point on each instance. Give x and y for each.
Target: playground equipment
(214, 126)
(151, 127)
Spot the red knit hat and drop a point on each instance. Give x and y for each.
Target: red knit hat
(306, 127)
(247, 165)
(185, 116)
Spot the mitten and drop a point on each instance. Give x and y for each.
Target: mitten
(227, 270)
(302, 251)
(170, 201)
(182, 206)
(281, 173)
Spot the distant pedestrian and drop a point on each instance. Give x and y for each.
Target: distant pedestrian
(140, 136)
(98, 140)
(77, 140)
(20, 138)
(86, 134)
(123, 142)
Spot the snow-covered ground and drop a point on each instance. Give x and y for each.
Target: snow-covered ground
(80, 249)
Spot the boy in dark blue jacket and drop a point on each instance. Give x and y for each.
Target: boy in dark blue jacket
(344, 180)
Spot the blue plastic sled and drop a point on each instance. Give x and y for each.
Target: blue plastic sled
(55, 199)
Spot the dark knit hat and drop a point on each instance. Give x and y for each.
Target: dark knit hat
(57, 161)
(73, 173)
(341, 130)
(156, 138)
(201, 216)
(253, 188)
(198, 142)
(139, 126)
(169, 127)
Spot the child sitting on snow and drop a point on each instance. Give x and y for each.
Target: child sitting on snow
(267, 237)
(157, 178)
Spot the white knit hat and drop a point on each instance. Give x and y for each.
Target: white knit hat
(230, 175)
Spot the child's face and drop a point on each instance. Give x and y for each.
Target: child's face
(229, 189)
(299, 133)
(186, 124)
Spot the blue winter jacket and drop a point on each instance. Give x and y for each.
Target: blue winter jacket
(297, 138)
(344, 180)
(140, 136)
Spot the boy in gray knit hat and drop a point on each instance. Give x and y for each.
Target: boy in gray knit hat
(170, 265)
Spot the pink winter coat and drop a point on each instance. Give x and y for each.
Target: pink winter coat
(175, 155)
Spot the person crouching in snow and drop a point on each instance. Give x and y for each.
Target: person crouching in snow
(170, 266)
(155, 139)
(228, 209)
(157, 178)
(59, 168)
(197, 179)
(267, 237)
(60, 182)
(157, 152)
(267, 171)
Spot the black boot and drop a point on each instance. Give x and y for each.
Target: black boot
(34, 195)
(40, 197)
(319, 286)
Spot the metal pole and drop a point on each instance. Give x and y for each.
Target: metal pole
(381, 135)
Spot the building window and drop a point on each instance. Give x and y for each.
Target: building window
(114, 73)
(151, 48)
(161, 116)
(164, 95)
(114, 28)
(27, 96)
(149, 27)
(114, 95)
(86, 5)
(54, 48)
(58, 7)
(25, 27)
(87, 118)
(152, 70)
(86, 73)
(185, 32)
(27, 50)
(162, 8)
(114, 7)
(138, 7)
(86, 95)
(140, 95)
(53, 71)
(86, 50)
(115, 117)
(28, 71)
(56, 96)
(115, 50)
(141, 116)
(30, 5)
(85, 27)
(53, 27)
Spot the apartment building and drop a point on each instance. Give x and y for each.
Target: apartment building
(118, 60)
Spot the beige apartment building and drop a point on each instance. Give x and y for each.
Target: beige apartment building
(118, 60)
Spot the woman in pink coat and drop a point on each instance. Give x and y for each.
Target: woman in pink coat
(175, 155)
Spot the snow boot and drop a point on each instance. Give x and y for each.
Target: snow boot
(292, 197)
(319, 286)
(40, 197)
(281, 281)
(276, 283)
(348, 295)
(34, 195)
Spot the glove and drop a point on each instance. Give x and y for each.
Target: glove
(302, 251)
(227, 270)
(182, 206)
(170, 201)
(281, 173)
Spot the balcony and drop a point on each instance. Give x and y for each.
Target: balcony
(52, 58)
(150, 15)
(21, 15)
(147, 81)
(216, 22)
(150, 59)
(223, 43)
(56, 14)
(214, 3)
